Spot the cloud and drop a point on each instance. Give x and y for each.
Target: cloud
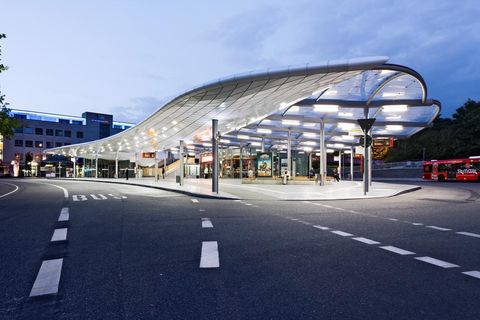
(140, 108)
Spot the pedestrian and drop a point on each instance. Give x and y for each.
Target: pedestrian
(126, 173)
(336, 176)
(163, 173)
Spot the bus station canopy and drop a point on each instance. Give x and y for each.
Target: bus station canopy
(269, 107)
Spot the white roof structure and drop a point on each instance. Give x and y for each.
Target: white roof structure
(268, 106)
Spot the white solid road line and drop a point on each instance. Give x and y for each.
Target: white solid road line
(59, 235)
(436, 262)
(209, 257)
(6, 194)
(64, 215)
(365, 240)
(48, 278)
(206, 223)
(439, 228)
(475, 274)
(470, 234)
(341, 233)
(321, 227)
(397, 250)
(65, 191)
(194, 200)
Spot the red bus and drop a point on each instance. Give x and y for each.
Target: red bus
(452, 170)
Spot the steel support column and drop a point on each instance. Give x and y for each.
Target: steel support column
(340, 164)
(241, 163)
(289, 154)
(156, 167)
(370, 163)
(215, 162)
(182, 164)
(366, 164)
(323, 155)
(96, 166)
(116, 165)
(351, 163)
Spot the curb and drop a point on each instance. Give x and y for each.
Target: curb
(206, 196)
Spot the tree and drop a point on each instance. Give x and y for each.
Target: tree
(466, 131)
(7, 123)
(458, 137)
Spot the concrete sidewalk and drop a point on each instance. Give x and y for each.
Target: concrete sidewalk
(233, 189)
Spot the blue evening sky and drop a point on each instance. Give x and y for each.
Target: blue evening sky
(128, 57)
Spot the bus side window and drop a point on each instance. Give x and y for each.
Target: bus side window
(427, 168)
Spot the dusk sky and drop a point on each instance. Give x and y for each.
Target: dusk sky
(128, 57)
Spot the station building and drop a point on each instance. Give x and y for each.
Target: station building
(260, 126)
(39, 131)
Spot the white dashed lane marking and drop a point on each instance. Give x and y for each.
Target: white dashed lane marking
(64, 215)
(48, 278)
(365, 240)
(436, 262)
(397, 250)
(321, 227)
(341, 233)
(439, 228)
(194, 200)
(417, 224)
(59, 235)
(475, 274)
(209, 257)
(206, 223)
(426, 259)
(470, 234)
(201, 210)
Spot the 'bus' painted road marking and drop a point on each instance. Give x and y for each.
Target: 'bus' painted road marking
(194, 200)
(79, 197)
(206, 223)
(397, 250)
(438, 263)
(209, 257)
(48, 278)
(470, 234)
(439, 228)
(59, 235)
(475, 274)
(321, 227)
(64, 215)
(365, 240)
(341, 233)
(100, 197)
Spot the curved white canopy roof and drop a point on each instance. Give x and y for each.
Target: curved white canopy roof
(272, 104)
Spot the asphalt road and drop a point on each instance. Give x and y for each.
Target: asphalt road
(125, 252)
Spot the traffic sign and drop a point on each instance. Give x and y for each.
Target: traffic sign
(369, 141)
(366, 124)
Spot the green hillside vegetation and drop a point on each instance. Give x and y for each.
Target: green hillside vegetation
(456, 137)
